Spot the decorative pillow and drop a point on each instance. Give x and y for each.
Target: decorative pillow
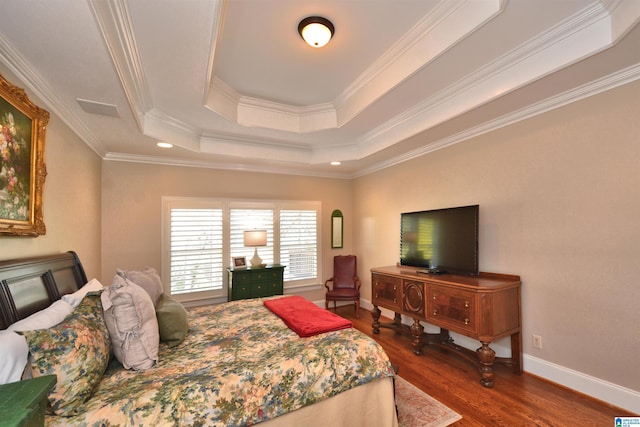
(148, 279)
(172, 321)
(74, 299)
(131, 318)
(45, 318)
(77, 351)
(13, 356)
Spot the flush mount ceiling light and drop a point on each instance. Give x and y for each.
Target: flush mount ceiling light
(316, 30)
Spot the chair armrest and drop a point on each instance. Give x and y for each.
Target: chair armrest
(327, 281)
(357, 280)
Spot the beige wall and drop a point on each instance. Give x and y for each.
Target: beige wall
(132, 196)
(559, 198)
(71, 199)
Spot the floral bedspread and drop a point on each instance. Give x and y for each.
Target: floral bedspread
(239, 365)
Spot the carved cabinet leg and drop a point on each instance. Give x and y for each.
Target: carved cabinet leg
(516, 352)
(486, 356)
(376, 319)
(416, 333)
(397, 323)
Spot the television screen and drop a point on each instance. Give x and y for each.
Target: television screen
(441, 240)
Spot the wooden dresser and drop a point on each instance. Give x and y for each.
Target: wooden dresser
(255, 282)
(484, 307)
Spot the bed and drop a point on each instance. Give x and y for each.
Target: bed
(239, 364)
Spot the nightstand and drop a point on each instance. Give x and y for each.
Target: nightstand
(24, 403)
(255, 282)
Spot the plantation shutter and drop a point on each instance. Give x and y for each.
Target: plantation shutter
(196, 250)
(251, 219)
(299, 244)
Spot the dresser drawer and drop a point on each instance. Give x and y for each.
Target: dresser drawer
(387, 291)
(241, 291)
(452, 308)
(242, 278)
(267, 283)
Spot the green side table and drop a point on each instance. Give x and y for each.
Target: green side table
(24, 403)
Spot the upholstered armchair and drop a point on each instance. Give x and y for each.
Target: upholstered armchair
(346, 284)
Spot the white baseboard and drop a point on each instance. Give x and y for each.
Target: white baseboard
(613, 394)
(595, 387)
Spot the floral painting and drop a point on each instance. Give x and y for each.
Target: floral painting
(15, 167)
(22, 168)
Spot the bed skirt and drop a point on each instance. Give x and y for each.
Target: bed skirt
(368, 405)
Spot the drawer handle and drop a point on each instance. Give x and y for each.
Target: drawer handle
(394, 301)
(434, 297)
(466, 321)
(435, 312)
(395, 287)
(376, 295)
(466, 304)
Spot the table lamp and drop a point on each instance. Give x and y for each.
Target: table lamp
(255, 238)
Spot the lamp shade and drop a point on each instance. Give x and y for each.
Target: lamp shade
(255, 238)
(316, 30)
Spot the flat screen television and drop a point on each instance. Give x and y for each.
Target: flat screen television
(441, 240)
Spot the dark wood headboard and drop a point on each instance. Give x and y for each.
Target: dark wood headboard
(28, 285)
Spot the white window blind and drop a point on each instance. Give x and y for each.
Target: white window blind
(196, 254)
(299, 244)
(251, 219)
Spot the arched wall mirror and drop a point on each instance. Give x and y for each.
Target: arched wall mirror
(336, 229)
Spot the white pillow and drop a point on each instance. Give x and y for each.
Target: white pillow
(13, 356)
(44, 318)
(74, 299)
(131, 319)
(148, 279)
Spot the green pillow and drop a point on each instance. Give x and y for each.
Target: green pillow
(172, 321)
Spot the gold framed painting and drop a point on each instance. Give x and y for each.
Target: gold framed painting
(22, 166)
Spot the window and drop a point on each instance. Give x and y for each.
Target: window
(202, 235)
(298, 244)
(242, 219)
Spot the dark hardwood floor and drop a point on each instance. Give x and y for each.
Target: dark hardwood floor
(515, 400)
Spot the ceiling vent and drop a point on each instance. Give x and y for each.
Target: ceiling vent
(100, 108)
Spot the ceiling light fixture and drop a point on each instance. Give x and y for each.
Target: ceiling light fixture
(316, 30)
(164, 145)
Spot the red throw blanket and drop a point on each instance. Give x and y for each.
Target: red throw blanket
(304, 317)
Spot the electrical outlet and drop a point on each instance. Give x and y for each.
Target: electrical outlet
(537, 341)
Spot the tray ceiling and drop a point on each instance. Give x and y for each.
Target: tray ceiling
(232, 85)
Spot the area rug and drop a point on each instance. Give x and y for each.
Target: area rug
(418, 409)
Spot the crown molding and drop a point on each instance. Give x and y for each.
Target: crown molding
(576, 38)
(232, 166)
(27, 75)
(596, 87)
(114, 21)
(449, 22)
(219, 13)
